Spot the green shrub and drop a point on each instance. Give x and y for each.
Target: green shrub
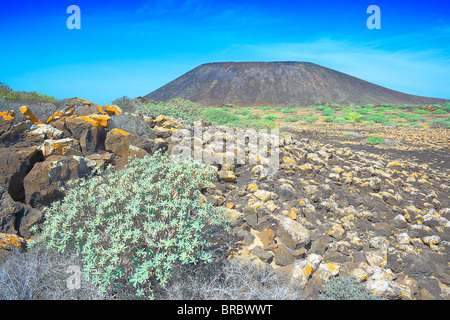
(411, 117)
(353, 116)
(377, 117)
(244, 112)
(177, 108)
(340, 120)
(446, 108)
(439, 111)
(261, 124)
(374, 140)
(219, 116)
(278, 108)
(309, 119)
(288, 110)
(135, 224)
(265, 108)
(291, 119)
(440, 123)
(364, 111)
(370, 122)
(420, 111)
(329, 119)
(327, 112)
(271, 117)
(346, 288)
(384, 109)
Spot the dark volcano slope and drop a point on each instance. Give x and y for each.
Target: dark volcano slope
(278, 83)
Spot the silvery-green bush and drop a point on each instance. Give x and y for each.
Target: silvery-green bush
(346, 288)
(137, 223)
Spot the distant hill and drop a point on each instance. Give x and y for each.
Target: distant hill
(278, 83)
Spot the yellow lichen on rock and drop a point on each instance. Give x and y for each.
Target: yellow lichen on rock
(26, 113)
(112, 110)
(119, 131)
(8, 115)
(9, 241)
(101, 119)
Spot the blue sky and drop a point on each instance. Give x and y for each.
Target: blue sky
(132, 48)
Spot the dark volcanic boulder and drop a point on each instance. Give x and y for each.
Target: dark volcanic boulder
(42, 184)
(6, 120)
(15, 217)
(14, 166)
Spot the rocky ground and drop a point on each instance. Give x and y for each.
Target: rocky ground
(331, 207)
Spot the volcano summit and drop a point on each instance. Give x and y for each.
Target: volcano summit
(278, 83)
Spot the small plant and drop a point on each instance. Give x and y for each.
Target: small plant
(440, 123)
(135, 224)
(291, 119)
(327, 112)
(271, 117)
(420, 111)
(309, 119)
(346, 288)
(261, 124)
(439, 111)
(219, 116)
(364, 111)
(288, 110)
(377, 117)
(353, 116)
(329, 119)
(370, 123)
(374, 140)
(244, 112)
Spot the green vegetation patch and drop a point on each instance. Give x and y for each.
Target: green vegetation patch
(8, 94)
(309, 119)
(219, 116)
(440, 123)
(374, 140)
(376, 117)
(291, 119)
(177, 108)
(135, 225)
